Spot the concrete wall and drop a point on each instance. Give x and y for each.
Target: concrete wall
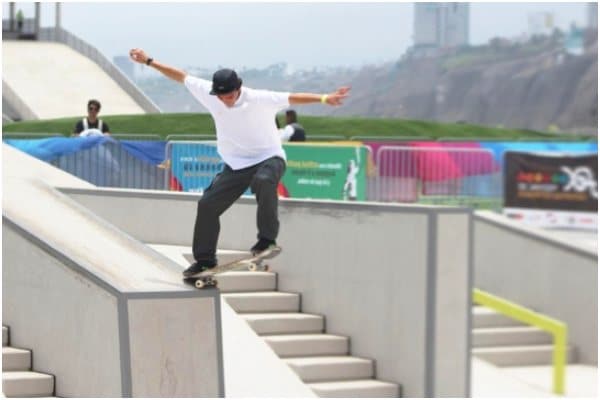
(395, 278)
(100, 342)
(105, 314)
(537, 270)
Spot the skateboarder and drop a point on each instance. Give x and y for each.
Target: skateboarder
(248, 143)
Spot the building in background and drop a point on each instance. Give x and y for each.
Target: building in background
(125, 65)
(540, 23)
(440, 26)
(592, 14)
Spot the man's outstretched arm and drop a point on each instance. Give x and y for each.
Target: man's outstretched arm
(140, 56)
(333, 99)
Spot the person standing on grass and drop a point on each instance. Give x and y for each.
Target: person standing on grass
(248, 143)
(91, 125)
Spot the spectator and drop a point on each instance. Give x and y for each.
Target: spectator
(293, 131)
(92, 125)
(20, 19)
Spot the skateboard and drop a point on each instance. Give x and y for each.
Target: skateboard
(247, 263)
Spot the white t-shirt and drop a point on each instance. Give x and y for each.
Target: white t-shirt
(246, 132)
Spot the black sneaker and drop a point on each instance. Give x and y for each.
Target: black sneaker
(197, 268)
(262, 245)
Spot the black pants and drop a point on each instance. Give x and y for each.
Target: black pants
(224, 190)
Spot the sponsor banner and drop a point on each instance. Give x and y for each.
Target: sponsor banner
(551, 190)
(325, 172)
(554, 218)
(194, 165)
(551, 182)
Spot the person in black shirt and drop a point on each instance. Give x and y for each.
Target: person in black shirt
(92, 125)
(293, 131)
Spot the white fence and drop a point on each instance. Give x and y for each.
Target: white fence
(436, 175)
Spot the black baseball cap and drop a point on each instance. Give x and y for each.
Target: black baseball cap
(225, 81)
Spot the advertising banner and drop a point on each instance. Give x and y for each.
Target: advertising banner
(565, 187)
(194, 165)
(325, 172)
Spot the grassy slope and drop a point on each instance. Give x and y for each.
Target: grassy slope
(186, 123)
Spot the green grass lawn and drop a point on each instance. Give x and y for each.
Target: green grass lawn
(194, 123)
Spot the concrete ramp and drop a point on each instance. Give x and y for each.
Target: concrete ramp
(55, 81)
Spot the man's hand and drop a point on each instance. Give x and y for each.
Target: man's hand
(138, 55)
(335, 98)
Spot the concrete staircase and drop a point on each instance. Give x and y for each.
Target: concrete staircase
(507, 343)
(17, 378)
(321, 360)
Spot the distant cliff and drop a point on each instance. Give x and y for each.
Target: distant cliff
(534, 85)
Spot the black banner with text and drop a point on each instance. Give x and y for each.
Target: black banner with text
(568, 183)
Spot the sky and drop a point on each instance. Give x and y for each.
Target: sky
(255, 35)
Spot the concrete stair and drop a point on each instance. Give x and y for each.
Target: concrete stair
(320, 359)
(505, 342)
(306, 345)
(510, 336)
(17, 378)
(512, 356)
(367, 388)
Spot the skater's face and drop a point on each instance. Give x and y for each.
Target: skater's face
(230, 98)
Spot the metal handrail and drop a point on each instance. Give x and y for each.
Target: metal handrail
(555, 327)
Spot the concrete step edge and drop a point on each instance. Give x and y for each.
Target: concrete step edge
(510, 336)
(263, 302)
(333, 368)
(309, 344)
(5, 335)
(284, 323)
(356, 388)
(14, 359)
(236, 282)
(503, 349)
(27, 384)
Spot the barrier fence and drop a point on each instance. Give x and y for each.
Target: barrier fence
(436, 175)
(416, 172)
(111, 165)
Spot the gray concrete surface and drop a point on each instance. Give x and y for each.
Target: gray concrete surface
(68, 78)
(541, 271)
(365, 266)
(68, 280)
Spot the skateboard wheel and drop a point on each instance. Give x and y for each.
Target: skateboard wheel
(199, 283)
(252, 267)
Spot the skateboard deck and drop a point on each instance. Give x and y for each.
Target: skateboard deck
(247, 263)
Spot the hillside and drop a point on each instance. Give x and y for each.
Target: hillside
(532, 85)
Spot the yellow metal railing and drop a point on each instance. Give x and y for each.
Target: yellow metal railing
(557, 328)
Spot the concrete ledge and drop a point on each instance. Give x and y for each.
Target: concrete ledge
(370, 264)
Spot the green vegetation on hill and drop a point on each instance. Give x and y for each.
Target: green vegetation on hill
(187, 123)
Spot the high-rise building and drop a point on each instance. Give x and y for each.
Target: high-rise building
(125, 65)
(592, 12)
(540, 23)
(441, 25)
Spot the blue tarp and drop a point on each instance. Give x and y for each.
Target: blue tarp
(50, 149)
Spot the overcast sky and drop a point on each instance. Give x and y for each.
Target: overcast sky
(259, 34)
